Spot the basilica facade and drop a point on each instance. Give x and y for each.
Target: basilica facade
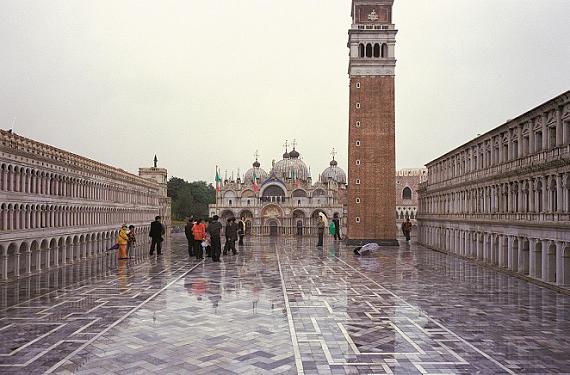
(285, 200)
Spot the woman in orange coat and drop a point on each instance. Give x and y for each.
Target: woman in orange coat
(123, 240)
(199, 232)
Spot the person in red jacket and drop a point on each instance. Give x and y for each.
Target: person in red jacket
(199, 232)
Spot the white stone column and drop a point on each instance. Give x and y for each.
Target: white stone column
(560, 271)
(532, 261)
(4, 267)
(559, 194)
(510, 262)
(29, 261)
(544, 255)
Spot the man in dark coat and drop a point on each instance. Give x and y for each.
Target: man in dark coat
(214, 229)
(190, 236)
(231, 235)
(156, 233)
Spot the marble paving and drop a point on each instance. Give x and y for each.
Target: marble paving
(283, 306)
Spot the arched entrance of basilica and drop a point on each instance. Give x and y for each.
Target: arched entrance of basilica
(273, 228)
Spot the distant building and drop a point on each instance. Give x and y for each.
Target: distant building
(58, 208)
(407, 184)
(284, 201)
(504, 197)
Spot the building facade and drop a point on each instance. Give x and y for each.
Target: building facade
(58, 208)
(284, 201)
(371, 144)
(407, 184)
(504, 197)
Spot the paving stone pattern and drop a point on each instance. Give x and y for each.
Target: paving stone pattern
(405, 310)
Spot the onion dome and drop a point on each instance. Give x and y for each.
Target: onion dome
(286, 155)
(333, 173)
(291, 168)
(256, 171)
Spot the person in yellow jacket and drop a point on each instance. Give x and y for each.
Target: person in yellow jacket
(122, 240)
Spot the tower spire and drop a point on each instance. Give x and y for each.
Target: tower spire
(155, 161)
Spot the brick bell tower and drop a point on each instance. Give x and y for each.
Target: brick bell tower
(371, 146)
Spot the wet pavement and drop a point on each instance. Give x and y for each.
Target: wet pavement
(283, 306)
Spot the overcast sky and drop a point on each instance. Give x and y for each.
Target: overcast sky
(209, 82)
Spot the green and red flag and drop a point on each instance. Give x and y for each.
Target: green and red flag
(218, 180)
(255, 186)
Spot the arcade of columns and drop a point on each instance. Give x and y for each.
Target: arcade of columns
(58, 208)
(504, 198)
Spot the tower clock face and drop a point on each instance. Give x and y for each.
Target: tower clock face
(373, 14)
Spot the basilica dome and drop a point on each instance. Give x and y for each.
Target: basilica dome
(291, 167)
(333, 173)
(256, 170)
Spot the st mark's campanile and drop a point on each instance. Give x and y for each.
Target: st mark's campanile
(371, 147)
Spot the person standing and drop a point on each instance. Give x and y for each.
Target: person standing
(199, 233)
(336, 221)
(407, 229)
(227, 244)
(320, 230)
(123, 240)
(156, 233)
(132, 240)
(242, 226)
(214, 229)
(232, 235)
(190, 236)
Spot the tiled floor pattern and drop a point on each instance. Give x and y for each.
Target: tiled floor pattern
(404, 310)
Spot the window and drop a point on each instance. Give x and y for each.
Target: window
(357, 105)
(357, 85)
(407, 193)
(248, 202)
(376, 50)
(357, 181)
(358, 162)
(298, 202)
(357, 124)
(384, 50)
(369, 50)
(358, 219)
(357, 200)
(230, 202)
(361, 50)
(358, 143)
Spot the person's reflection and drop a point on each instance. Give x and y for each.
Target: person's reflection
(197, 287)
(334, 250)
(122, 274)
(214, 295)
(255, 296)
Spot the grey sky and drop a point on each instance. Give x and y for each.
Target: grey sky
(202, 83)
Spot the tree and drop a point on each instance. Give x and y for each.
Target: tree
(190, 198)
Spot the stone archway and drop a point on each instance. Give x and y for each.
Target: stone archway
(273, 225)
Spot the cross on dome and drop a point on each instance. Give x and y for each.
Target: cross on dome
(333, 152)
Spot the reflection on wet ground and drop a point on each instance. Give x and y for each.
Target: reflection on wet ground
(405, 310)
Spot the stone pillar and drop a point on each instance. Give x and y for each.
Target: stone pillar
(56, 251)
(39, 260)
(4, 266)
(544, 255)
(502, 254)
(559, 194)
(559, 128)
(29, 261)
(485, 254)
(531, 139)
(510, 263)
(479, 247)
(532, 261)
(545, 195)
(544, 133)
(560, 271)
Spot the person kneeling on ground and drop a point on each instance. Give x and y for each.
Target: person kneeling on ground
(366, 249)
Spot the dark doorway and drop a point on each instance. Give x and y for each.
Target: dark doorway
(299, 228)
(273, 229)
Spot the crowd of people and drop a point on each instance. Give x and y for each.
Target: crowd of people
(204, 237)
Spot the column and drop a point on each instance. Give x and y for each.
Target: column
(480, 249)
(545, 195)
(532, 261)
(4, 266)
(544, 255)
(559, 128)
(544, 133)
(29, 261)
(531, 139)
(510, 265)
(559, 194)
(502, 254)
(560, 271)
